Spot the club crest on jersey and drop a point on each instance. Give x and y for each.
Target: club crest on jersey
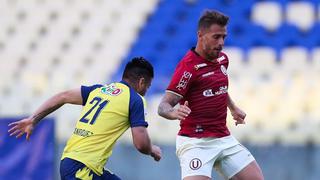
(224, 70)
(111, 89)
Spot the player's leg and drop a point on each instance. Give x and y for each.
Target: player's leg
(251, 171)
(197, 178)
(239, 164)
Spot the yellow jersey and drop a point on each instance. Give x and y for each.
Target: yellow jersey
(109, 110)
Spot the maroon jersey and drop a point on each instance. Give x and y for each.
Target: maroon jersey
(204, 85)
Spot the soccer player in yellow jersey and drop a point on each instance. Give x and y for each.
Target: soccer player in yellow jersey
(108, 111)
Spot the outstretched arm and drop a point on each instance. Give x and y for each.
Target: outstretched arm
(142, 142)
(166, 107)
(27, 125)
(237, 114)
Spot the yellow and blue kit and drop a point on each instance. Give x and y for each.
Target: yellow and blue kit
(109, 110)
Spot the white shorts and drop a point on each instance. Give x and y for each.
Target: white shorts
(199, 155)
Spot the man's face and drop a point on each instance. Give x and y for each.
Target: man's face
(212, 40)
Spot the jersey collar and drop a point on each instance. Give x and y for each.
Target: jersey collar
(201, 59)
(125, 83)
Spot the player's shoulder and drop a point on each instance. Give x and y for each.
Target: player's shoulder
(90, 88)
(223, 57)
(136, 99)
(126, 87)
(189, 57)
(188, 60)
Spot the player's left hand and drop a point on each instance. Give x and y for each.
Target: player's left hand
(238, 115)
(156, 152)
(21, 127)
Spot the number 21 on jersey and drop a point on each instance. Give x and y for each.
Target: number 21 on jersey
(96, 101)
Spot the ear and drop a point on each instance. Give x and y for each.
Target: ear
(141, 82)
(199, 33)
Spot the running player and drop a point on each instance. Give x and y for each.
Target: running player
(200, 85)
(108, 111)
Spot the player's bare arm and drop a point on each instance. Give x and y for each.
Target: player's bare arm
(55, 102)
(142, 142)
(237, 114)
(166, 107)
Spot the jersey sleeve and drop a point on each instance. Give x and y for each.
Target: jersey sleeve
(136, 111)
(181, 79)
(85, 91)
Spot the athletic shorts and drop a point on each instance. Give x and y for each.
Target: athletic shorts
(199, 155)
(74, 170)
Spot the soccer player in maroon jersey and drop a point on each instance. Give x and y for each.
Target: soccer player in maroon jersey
(200, 85)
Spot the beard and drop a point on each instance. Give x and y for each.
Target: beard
(212, 54)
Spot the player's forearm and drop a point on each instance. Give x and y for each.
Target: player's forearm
(166, 110)
(145, 148)
(141, 140)
(48, 107)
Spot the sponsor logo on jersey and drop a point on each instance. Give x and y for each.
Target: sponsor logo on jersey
(195, 163)
(208, 74)
(198, 66)
(221, 59)
(111, 89)
(224, 70)
(82, 132)
(184, 80)
(198, 129)
(209, 92)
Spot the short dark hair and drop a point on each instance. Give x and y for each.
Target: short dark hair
(210, 17)
(138, 67)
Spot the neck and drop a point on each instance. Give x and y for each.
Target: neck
(202, 54)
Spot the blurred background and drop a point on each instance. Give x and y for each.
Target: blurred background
(274, 51)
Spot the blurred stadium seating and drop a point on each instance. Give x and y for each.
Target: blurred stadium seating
(274, 62)
(47, 46)
(273, 47)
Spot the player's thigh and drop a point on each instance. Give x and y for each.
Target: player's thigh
(233, 160)
(251, 171)
(197, 178)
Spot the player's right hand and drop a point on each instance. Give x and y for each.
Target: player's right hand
(183, 111)
(156, 152)
(21, 127)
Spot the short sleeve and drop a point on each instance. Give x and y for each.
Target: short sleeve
(136, 111)
(181, 79)
(85, 91)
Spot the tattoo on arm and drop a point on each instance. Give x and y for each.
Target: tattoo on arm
(167, 104)
(40, 115)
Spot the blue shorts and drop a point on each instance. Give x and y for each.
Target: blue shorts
(73, 170)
